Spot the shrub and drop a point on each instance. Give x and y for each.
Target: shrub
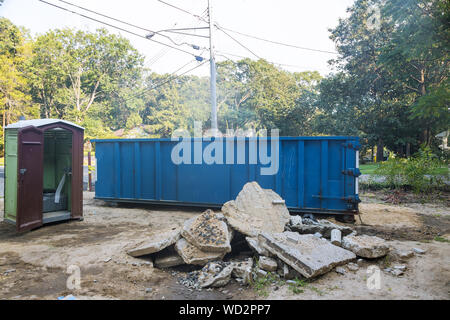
(417, 171)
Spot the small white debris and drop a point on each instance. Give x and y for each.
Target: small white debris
(400, 267)
(317, 235)
(340, 270)
(261, 273)
(352, 266)
(397, 272)
(419, 251)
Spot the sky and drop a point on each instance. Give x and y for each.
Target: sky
(302, 23)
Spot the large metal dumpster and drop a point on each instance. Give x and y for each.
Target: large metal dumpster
(315, 174)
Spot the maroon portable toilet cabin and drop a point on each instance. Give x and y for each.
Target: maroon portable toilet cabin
(43, 172)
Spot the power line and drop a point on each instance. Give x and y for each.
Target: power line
(183, 10)
(164, 51)
(129, 24)
(243, 46)
(116, 27)
(106, 16)
(277, 42)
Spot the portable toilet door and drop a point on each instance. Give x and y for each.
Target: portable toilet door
(44, 154)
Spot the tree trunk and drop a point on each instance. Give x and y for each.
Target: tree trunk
(373, 153)
(380, 153)
(408, 150)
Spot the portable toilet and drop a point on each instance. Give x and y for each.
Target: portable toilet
(43, 172)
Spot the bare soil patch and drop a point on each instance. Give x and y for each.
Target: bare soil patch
(98, 244)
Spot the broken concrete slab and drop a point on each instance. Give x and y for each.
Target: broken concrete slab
(155, 243)
(254, 245)
(310, 256)
(267, 264)
(243, 270)
(255, 211)
(208, 232)
(192, 255)
(366, 246)
(322, 226)
(215, 274)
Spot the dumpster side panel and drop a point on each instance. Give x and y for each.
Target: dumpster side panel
(310, 176)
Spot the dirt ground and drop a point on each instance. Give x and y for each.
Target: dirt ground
(39, 264)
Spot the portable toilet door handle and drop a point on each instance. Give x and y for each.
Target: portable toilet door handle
(22, 171)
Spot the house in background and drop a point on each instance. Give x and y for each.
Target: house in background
(444, 137)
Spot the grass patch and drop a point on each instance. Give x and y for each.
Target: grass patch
(368, 168)
(298, 286)
(261, 283)
(441, 239)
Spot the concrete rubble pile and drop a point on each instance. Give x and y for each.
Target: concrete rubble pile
(252, 236)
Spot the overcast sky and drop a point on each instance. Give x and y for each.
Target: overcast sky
(303, 23)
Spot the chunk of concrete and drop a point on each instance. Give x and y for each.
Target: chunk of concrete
(192, 255)
(267, 264)
(310, 256)
(215, 274)
(352, 266)
(254, 245)
(404, 254)
(286, 272)
(254, 211)
(323, 226)
(340, 270)
(155, 243)
(366, 246)
(207, 232)
(261, 273)
(295, 221)
(243, 270)
(336, 237)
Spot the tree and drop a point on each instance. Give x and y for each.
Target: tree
(383, 60)
(256, 94)
(75, 72)
(15, 98)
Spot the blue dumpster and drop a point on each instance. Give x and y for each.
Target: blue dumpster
(312, 174)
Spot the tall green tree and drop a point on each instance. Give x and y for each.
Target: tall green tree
(15, 52)
(76, 74)
(387, 59)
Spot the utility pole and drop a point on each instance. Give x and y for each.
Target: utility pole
(212, 64)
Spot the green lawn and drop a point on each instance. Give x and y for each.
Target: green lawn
(371, 167)
(368, 168)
